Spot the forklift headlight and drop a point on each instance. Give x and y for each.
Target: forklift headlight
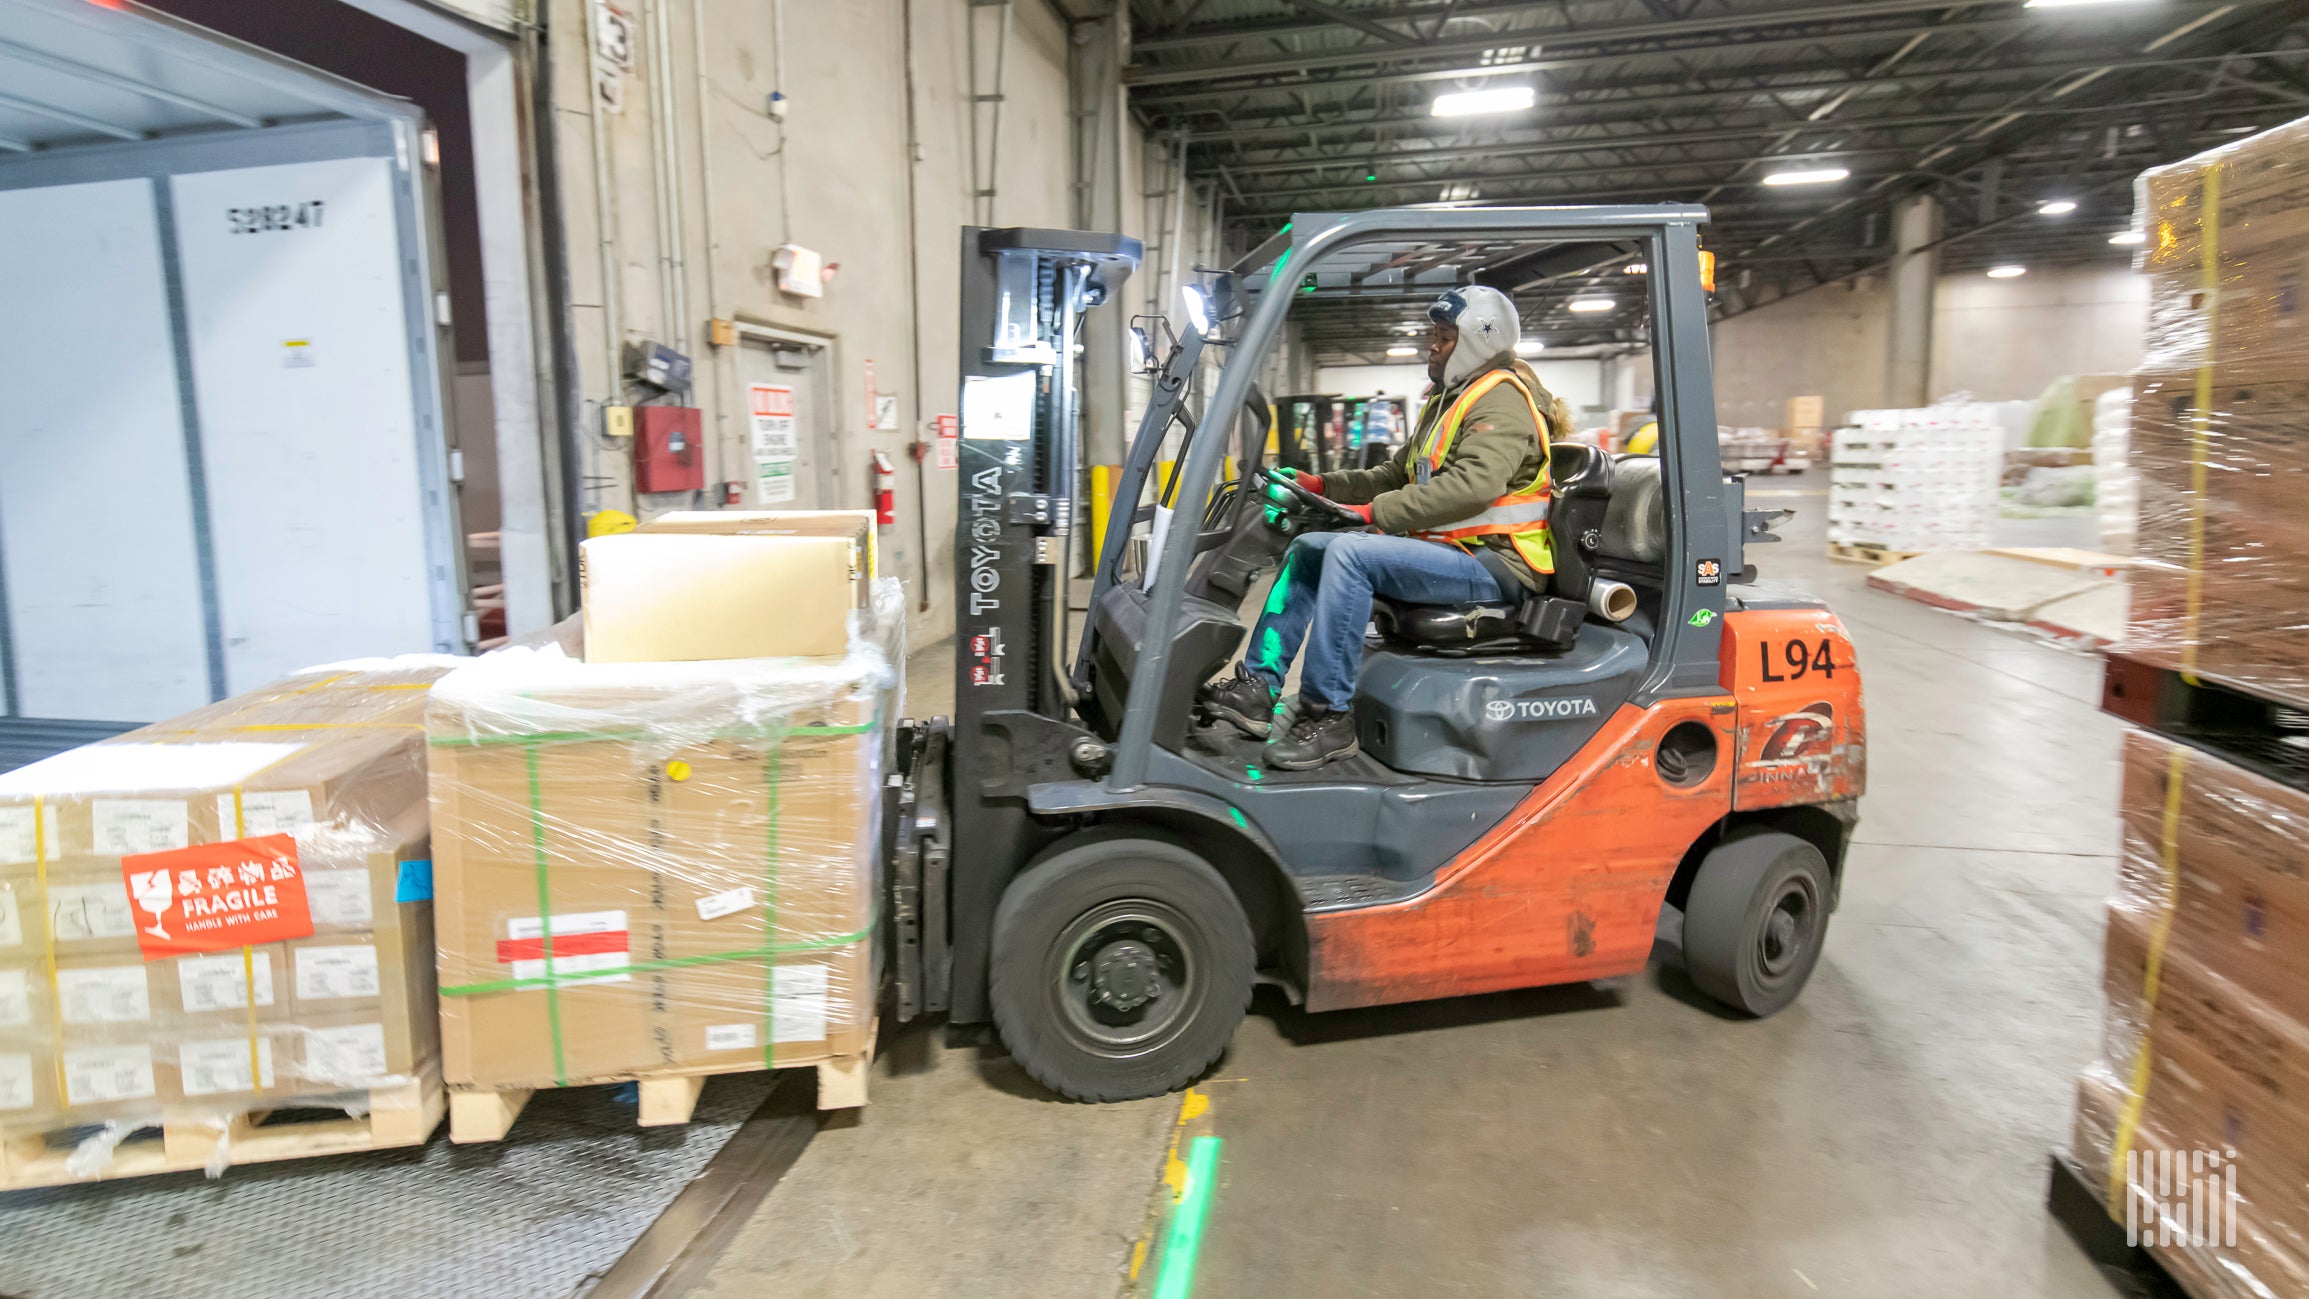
(1142, 358)
(1198, 308)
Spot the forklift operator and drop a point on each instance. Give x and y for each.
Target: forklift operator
(1461, 517)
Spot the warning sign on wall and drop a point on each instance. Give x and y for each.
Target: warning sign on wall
(774, 443)
(215, 896)
(949, 442)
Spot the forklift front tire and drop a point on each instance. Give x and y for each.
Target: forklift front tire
(1120, 969)
(1755, 920)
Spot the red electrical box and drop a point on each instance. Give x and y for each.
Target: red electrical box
(668, 454)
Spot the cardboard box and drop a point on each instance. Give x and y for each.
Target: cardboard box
(2241, 888)
(92, 1026)
(858, 525)
(707, 879)
(670, 597)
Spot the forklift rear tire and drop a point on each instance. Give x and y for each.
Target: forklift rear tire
(1755, 920)
(1120, 968)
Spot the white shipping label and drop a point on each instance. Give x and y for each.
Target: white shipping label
(95, 1074)
(15, 999)
(340, 898)
(727, 903)
(15, 1081)
(122, 826)
(113, 994)
(265, 811)
(732, 1037)
(11, 916)
(798, 1003)
(324, 973)
(1001, 407)
(221, 982)
(16, 846)
(350, 1055)
(590, 943)
(223, 1065)
(79, 913)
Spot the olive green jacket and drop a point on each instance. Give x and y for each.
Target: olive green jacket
(1496, 452)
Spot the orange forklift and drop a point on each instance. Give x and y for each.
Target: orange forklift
(1648, 749)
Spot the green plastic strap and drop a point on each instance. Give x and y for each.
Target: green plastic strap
(770, 913)
(636, 733)
(550, 981)
(545, 919)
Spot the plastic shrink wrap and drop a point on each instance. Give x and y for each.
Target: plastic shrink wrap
(659, 868)
(2195, 1120)
(275, 840)
(2220, 431)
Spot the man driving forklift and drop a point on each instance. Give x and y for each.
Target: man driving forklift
(1461, 517)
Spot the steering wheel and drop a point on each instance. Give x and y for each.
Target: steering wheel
(1317, 511)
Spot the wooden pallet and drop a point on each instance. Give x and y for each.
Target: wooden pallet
(488, 1113)
(399, 1116)
(1876, 556)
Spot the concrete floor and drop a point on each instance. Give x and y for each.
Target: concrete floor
(1885, 1136)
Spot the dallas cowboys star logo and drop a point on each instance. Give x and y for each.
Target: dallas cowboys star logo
(1488, 328)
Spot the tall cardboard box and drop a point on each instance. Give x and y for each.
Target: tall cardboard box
(677, 597)
(95, 1025)
(2217, 448)
(654, 868)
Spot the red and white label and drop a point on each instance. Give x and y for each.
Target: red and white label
(215, 896)
(588, 947)
(949, 442)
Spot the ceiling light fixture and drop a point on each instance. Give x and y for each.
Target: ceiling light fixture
(1808, 176)
(2006, 272)
(2070, 4)
(1402, 349)
(2056, 207)
(2128, 238)
(1634, 268)
(1529, 347)
(1591, 304)
(1471, 103)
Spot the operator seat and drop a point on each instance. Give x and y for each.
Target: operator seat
(1582, 492)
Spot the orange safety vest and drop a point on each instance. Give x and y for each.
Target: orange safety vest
(1520, 516)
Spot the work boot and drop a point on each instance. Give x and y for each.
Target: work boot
(1242, 699)
(1316, 738)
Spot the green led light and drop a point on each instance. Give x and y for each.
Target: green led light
(1185, 1239)
(1371, 176)
(1256, 775)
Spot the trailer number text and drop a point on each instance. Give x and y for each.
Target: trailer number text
(273, 218)
(1798, 657)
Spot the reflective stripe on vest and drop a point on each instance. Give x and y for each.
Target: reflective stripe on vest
(1520, 516)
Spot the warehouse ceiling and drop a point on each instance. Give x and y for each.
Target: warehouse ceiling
(1996, 108)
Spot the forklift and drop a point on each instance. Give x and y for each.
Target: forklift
(1644, 752)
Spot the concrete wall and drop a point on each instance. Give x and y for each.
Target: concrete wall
(2004, 340)
(832, 177)
(2001, 340)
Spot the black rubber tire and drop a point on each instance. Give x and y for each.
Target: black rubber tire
(1049, 897)
(1728, 949)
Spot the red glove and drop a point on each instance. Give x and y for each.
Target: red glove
(1312, 482)
(1362, 511)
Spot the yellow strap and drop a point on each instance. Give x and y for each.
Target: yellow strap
(2152, 976)
(2201, 432)
(47, 918)
(1447, 432)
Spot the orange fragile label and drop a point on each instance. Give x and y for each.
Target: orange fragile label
(216, 896)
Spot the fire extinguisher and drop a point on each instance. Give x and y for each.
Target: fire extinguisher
(885, 490)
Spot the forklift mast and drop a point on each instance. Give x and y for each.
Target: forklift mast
(1024, 293)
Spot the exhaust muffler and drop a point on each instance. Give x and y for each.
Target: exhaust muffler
(1611, 601)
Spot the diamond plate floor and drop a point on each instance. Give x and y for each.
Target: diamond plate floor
(537, 1216)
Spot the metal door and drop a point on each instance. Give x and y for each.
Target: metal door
(786, 458)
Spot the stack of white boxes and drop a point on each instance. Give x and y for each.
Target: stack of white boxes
(2116, 488)
(1918, 479)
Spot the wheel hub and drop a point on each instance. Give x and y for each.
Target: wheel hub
(1781, 941)
(1126, 976)
(1121, 977)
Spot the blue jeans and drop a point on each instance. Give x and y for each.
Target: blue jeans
(1323, 594)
